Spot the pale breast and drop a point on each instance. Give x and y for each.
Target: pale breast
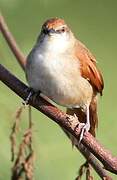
(58, 77)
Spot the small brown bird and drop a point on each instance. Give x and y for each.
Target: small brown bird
(65, 71)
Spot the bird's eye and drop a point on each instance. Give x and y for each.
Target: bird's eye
(63, 30)
(60, 30)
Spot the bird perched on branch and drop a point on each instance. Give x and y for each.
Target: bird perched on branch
(64, 70)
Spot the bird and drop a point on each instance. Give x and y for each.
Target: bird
(62, 68)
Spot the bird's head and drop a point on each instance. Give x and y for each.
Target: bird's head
(56, 32)
(55, 27)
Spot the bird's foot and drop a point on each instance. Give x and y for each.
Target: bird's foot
(31, 92)
(84, 128)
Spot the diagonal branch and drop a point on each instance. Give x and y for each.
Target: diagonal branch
(65, 121)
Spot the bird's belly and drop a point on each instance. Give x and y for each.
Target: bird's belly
(60, 82)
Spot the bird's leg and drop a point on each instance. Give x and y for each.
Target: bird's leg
(86, 127)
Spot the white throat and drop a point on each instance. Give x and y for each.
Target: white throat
(56, 43)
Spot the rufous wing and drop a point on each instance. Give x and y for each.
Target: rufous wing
(88, 67)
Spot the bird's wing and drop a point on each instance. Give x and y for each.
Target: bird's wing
(88, 67)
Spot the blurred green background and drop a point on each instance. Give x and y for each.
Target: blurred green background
(93, 22)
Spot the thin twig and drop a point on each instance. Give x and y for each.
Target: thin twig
(24, 160)
(14, 131)
(12, 43)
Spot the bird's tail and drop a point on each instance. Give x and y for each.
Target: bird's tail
(82, 118)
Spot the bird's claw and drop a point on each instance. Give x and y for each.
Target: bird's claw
(26, 102)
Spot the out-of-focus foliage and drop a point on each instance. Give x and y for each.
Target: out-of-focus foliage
(93, 22)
